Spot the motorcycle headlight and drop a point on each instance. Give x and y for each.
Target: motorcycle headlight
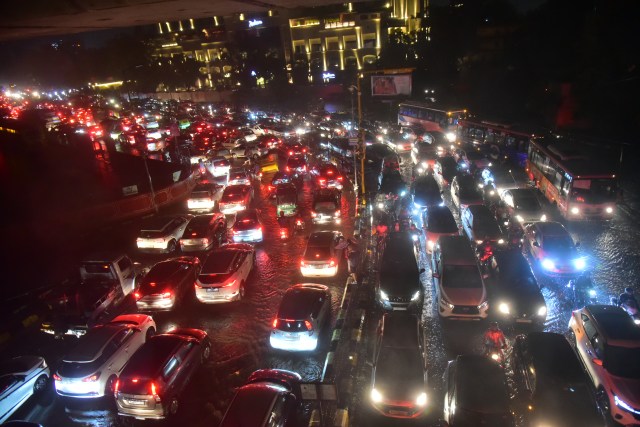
(420, 170)
(592, 293)
(430, 244)
(519, 218)
(376, 396)
(479, 242)
(542, 311)
(421, 400)
(575, 210)
(492, 192)
(416, 296)
(543, 217)
(384, 296)
(548, 264)
(579, 263)
(425, 165)
(503, 308)
(417, 205)
(636, 321)
(609, 210)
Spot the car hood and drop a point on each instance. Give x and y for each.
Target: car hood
(568, 405)
(627, 389)
(464, 296)
(399, 286)
(529, 215)
(524, 299)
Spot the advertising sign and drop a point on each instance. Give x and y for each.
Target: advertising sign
(391, 85)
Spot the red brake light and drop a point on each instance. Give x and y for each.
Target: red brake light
(291, 153)
(116, 387)
(288, 169)
(340, 178)
(166, 295)
(154, 390)
(329, 172)
(332, 263)
(275, 323)
(580, 199)
(313, 214)
(137, 295)
(308, 325)
(56, 377)
(302, 262)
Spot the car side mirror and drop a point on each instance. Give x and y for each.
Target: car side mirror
(597, 361)
(435, 275)
(536, 244)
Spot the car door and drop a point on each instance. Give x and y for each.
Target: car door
(11, 393)
(126, 342)
(189, 356)
(586, 334)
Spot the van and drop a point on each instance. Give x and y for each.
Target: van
(461, 293)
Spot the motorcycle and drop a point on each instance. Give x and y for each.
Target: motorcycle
(484, 252)
(631, 307)
(495, 353)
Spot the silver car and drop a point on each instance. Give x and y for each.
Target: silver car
(92, 368)
(21, 378)
(225, 273)
(162, 233)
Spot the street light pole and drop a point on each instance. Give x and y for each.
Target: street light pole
(153, 194)
(361, 143)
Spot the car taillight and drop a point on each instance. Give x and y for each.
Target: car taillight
(337, 214)
(166, 295)
(302, 263)
(153, 389)
(332, 263)
(56, 377)
(288, 169)
(116, 387)
(313, 214)
(304, 168)
(91, 379)
(308, 325)
(205, 241)
(340, 178)
(275, 323)
(291, 153)
(322, 180)
(137, 295)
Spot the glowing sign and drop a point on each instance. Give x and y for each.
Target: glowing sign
(328, 76)
(254, 22)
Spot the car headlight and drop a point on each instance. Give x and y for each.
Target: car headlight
(403, 193)
(479, 242)
(579, 263)
(575, 210)
(417, 205)
(384, 296)
(492, 192)
(542, 311)
(421, 400)
(624, 405)
(380, 205)
(483, 305)
(480, 185)
(519, 218)
(501, 241)
(609, 210)
(451, 137)
(416, 296)
(592, 293)
(548, 264)
(376, 396)
(543, 217)
(503, 308)
(420, 170)
(463, 165)
(636, 321)
(400, 146)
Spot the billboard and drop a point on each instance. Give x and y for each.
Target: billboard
(391, 85)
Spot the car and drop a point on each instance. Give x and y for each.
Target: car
(481, 227)
(239, 177)
(423, 156)
(151, 384)
(235, 198)
(305, 310)
(392, 183)
(162, 233)
(20, 378)
(550, 382)
(460, 289)
(203, 197)
(607, 342)
(522, 205)
(329, 177)
(270, 397)
(445, 169)
(398, 284)
(399, 380)
(168, 283)
(320, 257)
(465, 192)
(438, 221)
(476, 393)
(247, 227)
(295, 149)
(245, 150)
(471, 158)
(326, 206)
(224, 274)
(501, 178)
(218, 166)
(92, 368)
(551, 247)
(204, 232)
(296, 165)
(514, 294)
(425, 192)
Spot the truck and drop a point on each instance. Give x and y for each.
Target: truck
(95, 297)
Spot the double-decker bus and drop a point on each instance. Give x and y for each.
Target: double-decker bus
(580, 179)
(430, 117)
(500, 139)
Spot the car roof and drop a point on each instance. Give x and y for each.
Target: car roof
(252, 404)
(299, 301)
(551, 228)
(522, 192)
(150, 357)
(321, 238)
(19, 364)
(479, 210)
(102, 257)
(247, 213)
(201, 220)
(203, 187)
(91, 344)
(455, 248)
(400, 330)
(481, 384)
(553, 357)
(616, 325)
(156, 223)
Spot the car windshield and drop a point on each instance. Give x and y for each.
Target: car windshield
(405, 364)
(200, 195)
(527, 203)
(245, 223)
(162, 271)
(461, 276)
(442, 222)
(594, 190)
(622, 361)
(317, 253)
(557, 243)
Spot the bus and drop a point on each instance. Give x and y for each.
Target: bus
(500, 139)
(430, 117)
(579, 179)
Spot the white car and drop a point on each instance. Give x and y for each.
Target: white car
(523, 205)
(162, 233)
(225, 273)
(218, 166)
(92, 368)
(321, 258)
(21, 378)
(608, 344)
(204, 196)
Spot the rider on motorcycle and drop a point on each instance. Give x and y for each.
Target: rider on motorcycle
(494, 337)
(627, 298)
(285, 222)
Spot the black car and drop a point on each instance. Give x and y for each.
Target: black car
(515, 294)
(465, 191)
(270, 397)
(476, 393)
(399, 285)
(444, 169)
(551, 384)
(393, 183)
(204, 232)
(425, 192)
(167, 284)
(399, 374)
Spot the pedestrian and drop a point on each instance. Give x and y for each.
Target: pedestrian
(353, 253)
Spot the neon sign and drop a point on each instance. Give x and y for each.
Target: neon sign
(254, 22)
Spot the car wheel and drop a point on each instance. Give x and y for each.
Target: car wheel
(41, 384)
(172, 408)
(171, 246)
(110, 386)
(150, 332)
